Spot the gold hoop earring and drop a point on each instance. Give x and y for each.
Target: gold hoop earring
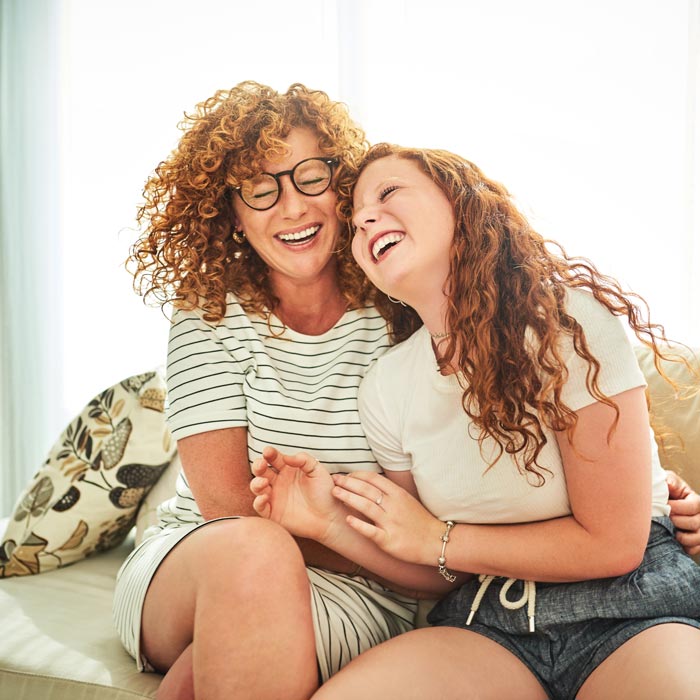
(238, 237)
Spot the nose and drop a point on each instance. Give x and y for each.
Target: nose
(292, 203)
(362, 218)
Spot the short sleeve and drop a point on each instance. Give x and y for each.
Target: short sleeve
(609, 342)
(204, 375)
(381, 421)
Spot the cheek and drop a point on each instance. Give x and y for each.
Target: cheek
(357, 252)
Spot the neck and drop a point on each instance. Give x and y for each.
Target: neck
(311, 307)
(434, 316)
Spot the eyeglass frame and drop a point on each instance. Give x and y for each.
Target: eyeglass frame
(331, 162)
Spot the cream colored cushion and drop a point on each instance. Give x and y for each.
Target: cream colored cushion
(85, 497)
(58, 639)
(675, 413)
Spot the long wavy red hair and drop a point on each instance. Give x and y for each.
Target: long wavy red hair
(185, 254)
(506, 288)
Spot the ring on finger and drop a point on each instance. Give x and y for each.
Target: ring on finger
(378, 500)
(274, 469)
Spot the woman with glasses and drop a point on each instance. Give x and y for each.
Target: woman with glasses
(273, 327)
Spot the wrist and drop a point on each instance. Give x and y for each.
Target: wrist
(432, 543)
(335, 530)
(442, 559)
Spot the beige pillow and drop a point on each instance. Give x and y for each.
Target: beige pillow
(675, 413)
(85, 497)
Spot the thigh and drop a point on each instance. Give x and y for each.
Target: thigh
(660, 662)
(444, 662)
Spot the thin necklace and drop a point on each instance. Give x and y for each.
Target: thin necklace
(438, 336)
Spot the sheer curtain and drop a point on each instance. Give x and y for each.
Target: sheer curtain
(31, 268)
(588, 112)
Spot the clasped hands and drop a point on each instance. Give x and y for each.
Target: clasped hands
(297, 492)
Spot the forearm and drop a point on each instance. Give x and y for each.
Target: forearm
(557, 550)
(410, 577)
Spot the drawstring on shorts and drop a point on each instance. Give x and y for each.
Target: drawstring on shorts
(529, 595)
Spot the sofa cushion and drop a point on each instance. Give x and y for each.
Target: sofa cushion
(58, 640)
(675, 412)
(85, 497)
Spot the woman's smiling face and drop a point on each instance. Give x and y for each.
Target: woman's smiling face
(404, 226)
(297, 236)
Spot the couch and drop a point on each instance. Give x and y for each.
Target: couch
(57, 639)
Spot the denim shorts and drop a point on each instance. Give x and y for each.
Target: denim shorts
(578, 625)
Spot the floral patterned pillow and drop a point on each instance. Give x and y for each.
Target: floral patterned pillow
(85, 497)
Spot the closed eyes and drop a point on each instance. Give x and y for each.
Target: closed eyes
(387, 191)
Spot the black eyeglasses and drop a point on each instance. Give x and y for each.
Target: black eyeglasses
(311, 177)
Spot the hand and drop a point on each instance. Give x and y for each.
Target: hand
(295, 491)
(685, 512)
(395, 521)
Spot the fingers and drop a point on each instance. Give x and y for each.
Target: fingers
(360, 495)
(690, 541)
(276, 461)
(261, 505)
(688, 523)
(688, 506)
(259, 485)
(368, 484)
(677, 487)
(368, 530)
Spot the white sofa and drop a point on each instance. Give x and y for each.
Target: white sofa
(57, 639)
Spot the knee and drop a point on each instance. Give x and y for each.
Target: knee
(249, 546)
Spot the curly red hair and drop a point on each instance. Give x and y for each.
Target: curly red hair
(185, 254)
(507, 287)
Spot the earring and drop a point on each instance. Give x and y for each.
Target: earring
(395, 301)
(238, 237)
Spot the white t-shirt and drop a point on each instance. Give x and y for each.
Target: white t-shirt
(414, 420)
(294, 391)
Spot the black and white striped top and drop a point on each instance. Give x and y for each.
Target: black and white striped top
(292, 391)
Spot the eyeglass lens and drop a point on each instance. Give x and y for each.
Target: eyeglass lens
(311, 177)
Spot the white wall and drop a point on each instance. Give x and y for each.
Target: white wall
(580, 108)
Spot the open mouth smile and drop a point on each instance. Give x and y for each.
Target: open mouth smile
(383, 243)
(299, 237)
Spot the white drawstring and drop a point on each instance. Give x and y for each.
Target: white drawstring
(529, 595)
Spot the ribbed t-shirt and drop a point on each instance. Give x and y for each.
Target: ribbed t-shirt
(414, 420)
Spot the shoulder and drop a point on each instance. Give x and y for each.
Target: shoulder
(586, 309)
(234, 316)
(603, 329)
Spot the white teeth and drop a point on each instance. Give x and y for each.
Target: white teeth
(306, 233)
(384, 241)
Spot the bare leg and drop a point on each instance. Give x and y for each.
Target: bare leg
(435, 662)
(231, 599)
(178, 682)
(661, 662)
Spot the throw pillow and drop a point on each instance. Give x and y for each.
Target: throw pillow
(85, 497)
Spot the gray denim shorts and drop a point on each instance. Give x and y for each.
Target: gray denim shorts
(578, 625)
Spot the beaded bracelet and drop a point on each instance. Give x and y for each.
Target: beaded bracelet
(442, 569)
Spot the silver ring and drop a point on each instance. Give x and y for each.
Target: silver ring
(274, 469)
(379, 500)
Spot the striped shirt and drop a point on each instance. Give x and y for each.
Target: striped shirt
(292, 391)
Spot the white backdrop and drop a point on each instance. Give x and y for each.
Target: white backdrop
(587, 111)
